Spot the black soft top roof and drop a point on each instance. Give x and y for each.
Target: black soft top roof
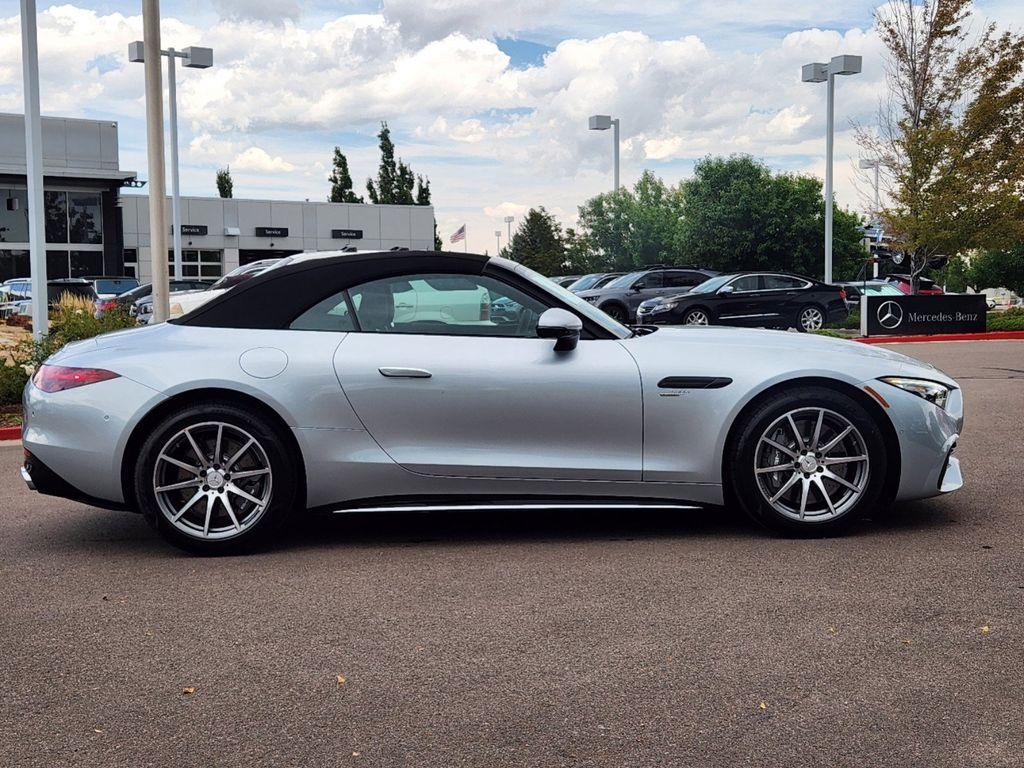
(276, 297)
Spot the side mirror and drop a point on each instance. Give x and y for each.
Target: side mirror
(561, 325)
(726, 289)
(638, 285)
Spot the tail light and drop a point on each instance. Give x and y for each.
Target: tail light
(106, 306)
(57, 378)
(842, 294)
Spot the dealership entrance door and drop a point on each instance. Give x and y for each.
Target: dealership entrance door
(248, 256)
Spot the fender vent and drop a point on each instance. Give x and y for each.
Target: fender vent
(694, 382)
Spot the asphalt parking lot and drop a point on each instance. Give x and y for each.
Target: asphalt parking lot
(540, 639)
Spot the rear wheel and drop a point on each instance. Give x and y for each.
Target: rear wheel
(808, 462)
(215, 478)
(811, 318)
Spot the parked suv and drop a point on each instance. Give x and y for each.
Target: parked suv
(764, 299)
(622, 296)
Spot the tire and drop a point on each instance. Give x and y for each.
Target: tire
(257, 481)
(810, 318)
(697, 316)
(616, 312)
(756, 490)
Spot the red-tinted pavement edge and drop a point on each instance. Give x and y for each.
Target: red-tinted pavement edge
(992, 336)
(10, 433)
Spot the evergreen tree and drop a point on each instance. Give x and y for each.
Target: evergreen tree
(538, 244)
(225, 185)
(341, 181)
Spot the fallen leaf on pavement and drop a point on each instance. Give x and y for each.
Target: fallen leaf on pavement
(341, 679)
(764, 706)
(985, 630)
(188, 691)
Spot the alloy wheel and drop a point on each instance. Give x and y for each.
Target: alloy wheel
(616, 313)
(811, 464)
(697, 317)
(811, 319)
(212, 480)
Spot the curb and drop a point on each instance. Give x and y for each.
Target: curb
(10, 433)
(990, 336)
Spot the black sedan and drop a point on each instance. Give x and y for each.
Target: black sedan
(766, 299)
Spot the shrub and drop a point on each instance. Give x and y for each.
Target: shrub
(12, 382)
(1010, 320)
(71, 319)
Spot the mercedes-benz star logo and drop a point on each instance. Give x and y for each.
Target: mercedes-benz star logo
(890, 314)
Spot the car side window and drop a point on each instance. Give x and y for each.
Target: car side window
(650, 280)
(683, 279)
(746, 283)
(331, 314)
(782, 283)
(434, 304)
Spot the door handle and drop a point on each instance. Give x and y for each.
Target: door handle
(404, 373)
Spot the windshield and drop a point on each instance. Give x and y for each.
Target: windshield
(626, 280)
(587, 281)
(584, 308)
(712, 285)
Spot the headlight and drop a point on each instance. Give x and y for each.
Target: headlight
(931, 391)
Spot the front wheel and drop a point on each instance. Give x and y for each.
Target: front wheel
(214, 478)
(616, 312)
(807, 462)
(696, 317)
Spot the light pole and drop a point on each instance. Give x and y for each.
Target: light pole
(497, 236)
(195, 58)
(603, 123)
(819, 73)
(508, 222)
(34, 170)
(865, 165)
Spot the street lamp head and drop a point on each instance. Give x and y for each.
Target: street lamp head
(135, 52)
(868, 164)
(497, 233)
(814, 73)
(198, 58)
(845, 65)
(509, 219)
(600, 122)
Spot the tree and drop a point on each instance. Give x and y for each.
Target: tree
(949, 136)
(341, 181)
(738, 215)
(955, 275)
(396, 183)
(537, 243)
(225, 185)
(628, 229)
(999, 269)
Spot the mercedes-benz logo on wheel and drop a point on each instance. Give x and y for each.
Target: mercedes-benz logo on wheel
(890, 314)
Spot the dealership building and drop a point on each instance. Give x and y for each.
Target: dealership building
(95, 227)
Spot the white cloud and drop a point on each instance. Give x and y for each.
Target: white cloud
(256, 159)
(275, 11)
(486, 133)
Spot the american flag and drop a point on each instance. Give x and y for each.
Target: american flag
(460, 234)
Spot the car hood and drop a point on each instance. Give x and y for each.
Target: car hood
(783, 351)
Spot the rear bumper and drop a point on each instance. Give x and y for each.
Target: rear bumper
(40, 478)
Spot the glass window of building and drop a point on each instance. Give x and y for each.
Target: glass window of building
(205, 264)
(56, 217)
(14, 264)
(85, 214)
(13, 216)
(57, 265)
(86, 263)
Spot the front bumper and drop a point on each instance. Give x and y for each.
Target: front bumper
(927, 436)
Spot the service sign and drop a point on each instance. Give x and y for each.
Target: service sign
(194, 229)
(271, 231)
(347, 234)
(922, 315)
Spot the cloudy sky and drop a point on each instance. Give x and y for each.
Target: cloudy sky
(489, 99)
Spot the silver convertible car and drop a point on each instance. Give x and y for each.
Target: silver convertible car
(422, 379)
